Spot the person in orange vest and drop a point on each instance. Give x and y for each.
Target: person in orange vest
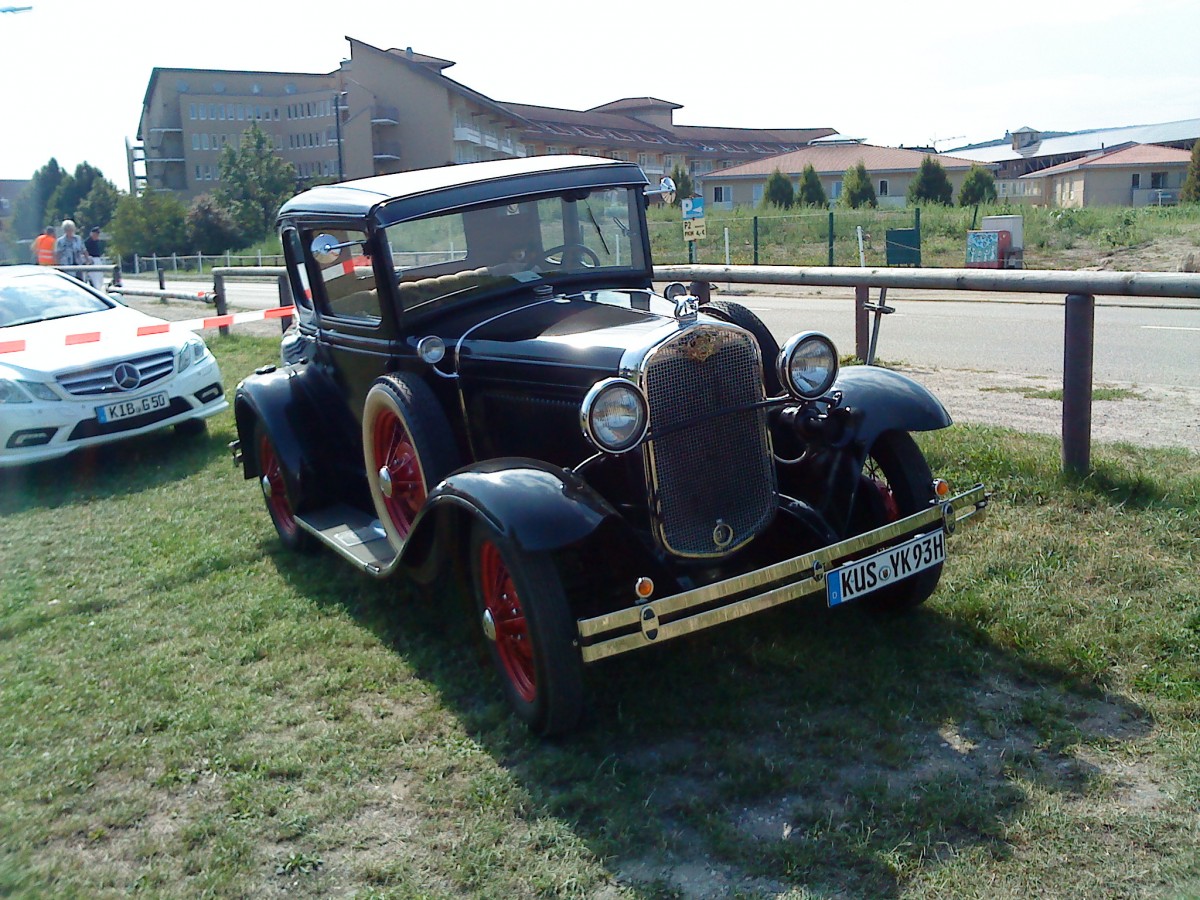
(43, 247)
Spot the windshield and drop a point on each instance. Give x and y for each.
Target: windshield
(38, 297)
(469, 252)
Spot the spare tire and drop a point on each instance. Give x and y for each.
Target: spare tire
(736, 314)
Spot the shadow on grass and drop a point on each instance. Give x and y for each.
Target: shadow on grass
(832, 749)
(119, 469)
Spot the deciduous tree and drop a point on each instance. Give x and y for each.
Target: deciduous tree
(210, 227)
(254, 183)
(153, 223)
(29, 210)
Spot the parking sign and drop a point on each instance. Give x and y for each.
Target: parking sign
(693, 207)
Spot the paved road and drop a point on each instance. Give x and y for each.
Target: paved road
(1136, 341)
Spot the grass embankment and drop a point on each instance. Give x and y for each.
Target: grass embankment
(1148, 238)
(189, 710)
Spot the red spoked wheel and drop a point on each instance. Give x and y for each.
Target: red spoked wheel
(408, 448)
(275, 495)
(504, 622)
(398, 469)
(896, 482)
(530, 630)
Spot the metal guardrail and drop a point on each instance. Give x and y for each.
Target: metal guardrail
(1080, 288)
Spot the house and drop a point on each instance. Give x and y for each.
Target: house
(1134, 175)
(891, 169)
(391, 110)
(1028, 150)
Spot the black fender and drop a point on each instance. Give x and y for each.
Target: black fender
(284, 403)
(542, 509)
(888, 401)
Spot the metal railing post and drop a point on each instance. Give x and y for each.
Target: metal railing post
(162, 280)
(862, 293)
(756, 240)
(1078, 352)
(219, 299)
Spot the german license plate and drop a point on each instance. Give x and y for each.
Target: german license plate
(127, 409)
(863, 576)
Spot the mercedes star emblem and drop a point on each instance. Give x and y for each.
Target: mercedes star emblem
(126, 376)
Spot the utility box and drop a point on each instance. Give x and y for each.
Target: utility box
(1014, 258)
(987, 249)
(903, 247)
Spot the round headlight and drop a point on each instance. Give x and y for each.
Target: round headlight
(808, 364)
(614, 415)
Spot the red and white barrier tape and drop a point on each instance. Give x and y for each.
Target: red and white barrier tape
(93, 337)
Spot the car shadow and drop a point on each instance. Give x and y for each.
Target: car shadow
(829, 749)
(118, 469)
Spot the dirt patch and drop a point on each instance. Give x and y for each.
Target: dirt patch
(1153, 417)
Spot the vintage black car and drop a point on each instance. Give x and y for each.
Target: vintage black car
(486, 383)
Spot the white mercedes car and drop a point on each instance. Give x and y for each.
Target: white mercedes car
(79, 368)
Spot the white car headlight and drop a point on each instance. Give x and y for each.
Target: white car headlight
(10, 393)
(614, 415)
(39, 391)
(192, 351)
(808, 364)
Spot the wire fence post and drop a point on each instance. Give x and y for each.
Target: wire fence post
(756, 240)
(1078, 353)
(831, 237)
(162, 280)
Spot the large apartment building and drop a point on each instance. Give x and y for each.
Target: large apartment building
(386, 111)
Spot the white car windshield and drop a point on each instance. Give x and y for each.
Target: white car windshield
(472, 251)
(40, 296)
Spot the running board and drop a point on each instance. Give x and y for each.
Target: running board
(353, 535)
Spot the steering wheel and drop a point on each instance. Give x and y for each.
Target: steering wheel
(580, 253)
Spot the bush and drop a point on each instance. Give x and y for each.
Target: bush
(931, 184)
(778, 190)
(857, 189)
(978, 187)
(811, 193)
(153, 223)
(210, 228)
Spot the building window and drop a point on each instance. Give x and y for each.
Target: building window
(758, 193)
(204, 142)
(645, 159)
(836, 192)
(195, 142)
(883, 187)
(221, 112)
(198, 175)
(722, 193)
(191, 110)
(212, 111)
(203, 112)
(1158, 181)
(1137, 180)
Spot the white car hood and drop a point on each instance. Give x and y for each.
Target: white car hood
(46, 350)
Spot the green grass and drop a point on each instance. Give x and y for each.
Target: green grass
(1054, 238)
(1101, 393)
(188, 710)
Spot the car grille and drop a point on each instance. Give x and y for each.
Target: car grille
(100, 380)
(713, 481)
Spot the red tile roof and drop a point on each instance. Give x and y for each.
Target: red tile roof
(1133, 155)
(834, 159)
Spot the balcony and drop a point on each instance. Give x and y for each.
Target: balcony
(384, 115)
(467, 133)
(387, 151)
(1155, 197)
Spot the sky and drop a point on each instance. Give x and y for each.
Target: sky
(74, 73)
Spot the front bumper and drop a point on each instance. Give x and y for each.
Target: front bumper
(669, 617)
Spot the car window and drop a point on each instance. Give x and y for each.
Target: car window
(36, 298)
(466, 253)
(347, 286)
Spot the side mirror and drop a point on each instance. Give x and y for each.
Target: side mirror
(325, 247)
(666, 190)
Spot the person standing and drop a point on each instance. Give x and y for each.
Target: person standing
(43, 247)
(69, 249)
(95, 251)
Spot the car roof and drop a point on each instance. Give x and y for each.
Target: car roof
(406, 195)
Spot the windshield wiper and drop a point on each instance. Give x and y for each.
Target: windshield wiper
(596, 225)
